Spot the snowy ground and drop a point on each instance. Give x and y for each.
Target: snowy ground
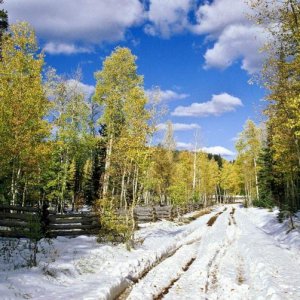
(245, 254)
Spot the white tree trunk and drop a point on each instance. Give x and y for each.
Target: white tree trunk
(256, 179)
(107, 167)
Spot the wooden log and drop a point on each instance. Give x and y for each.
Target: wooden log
(17, 216)
(169, 207)
(145, 220)
(54, 219)
(143, 208)
(145, 215)
(73, 226)
(143, 212)
(69, 216)
(164, 218)
(13, 223)
(13, 234)
(163, 211)
(72, 233)
(18, 208)
(71, 221)
(164, 214)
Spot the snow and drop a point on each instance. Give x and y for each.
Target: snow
(245, 254)
(268, 222)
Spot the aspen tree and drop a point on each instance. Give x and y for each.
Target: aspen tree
(114, 84)
(23, 107)
(249, 146)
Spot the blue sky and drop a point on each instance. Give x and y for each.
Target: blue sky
(200, 54)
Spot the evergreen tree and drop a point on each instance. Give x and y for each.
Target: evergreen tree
(266, 178)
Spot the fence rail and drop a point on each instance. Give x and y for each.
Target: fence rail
(72, 224)
(31, 222)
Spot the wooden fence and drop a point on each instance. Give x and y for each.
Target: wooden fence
(31, 222)
(18, 221)
(72, 224)
(156, 213)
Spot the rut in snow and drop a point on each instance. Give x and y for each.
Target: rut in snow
(166, 290)
(191, 240)
(231, 219)
(213, 219)
(175, 266)
(214, 263)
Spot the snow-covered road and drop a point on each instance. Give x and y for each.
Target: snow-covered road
(230, 253)
(233, 259)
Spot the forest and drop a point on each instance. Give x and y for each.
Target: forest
(69, 148)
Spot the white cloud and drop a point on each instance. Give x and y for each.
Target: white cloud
(80, 21)
(234, 36)
(179, 126)
(88, 90)
(168, 17)
(237, 42)
(165, 95)
(76, 26)
(218, 105)
(63, 48)
(218, 150)
(184, 146)
(224, 22)
(213, 17)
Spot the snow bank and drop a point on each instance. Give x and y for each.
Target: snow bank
(267, 221)
(80, 268)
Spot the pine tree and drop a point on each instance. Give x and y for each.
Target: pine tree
(266, 178)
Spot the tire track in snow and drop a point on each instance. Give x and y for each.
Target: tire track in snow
(213, 267)
(191, 239)
(240, 272)
(226, 269)
(135, 281)
(166, 290)
(157, 281)
(205, 270)
(187, 284)
(231, 219)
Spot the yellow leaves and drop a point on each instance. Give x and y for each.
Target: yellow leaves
(230, 178)
(119, 90)
(248, 145)
(117, 84)
(23, 102)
